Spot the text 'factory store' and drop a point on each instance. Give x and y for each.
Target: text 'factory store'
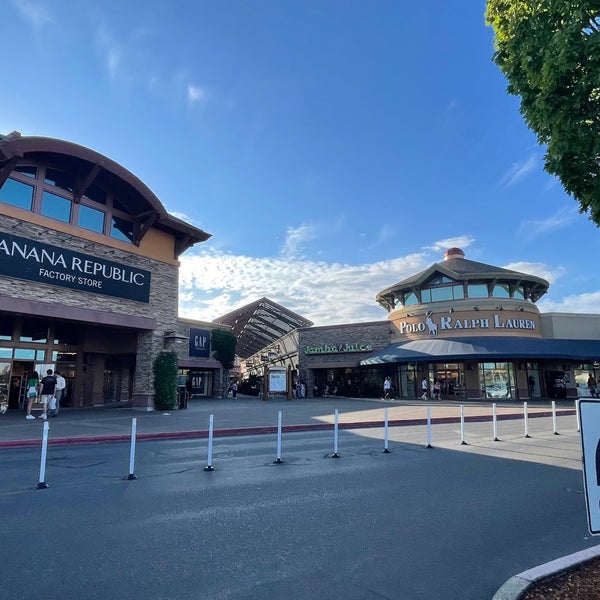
(89, 278)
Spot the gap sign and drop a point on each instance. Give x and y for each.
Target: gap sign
(199, 342)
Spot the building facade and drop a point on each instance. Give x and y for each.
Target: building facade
(473, 329)
(88, 274)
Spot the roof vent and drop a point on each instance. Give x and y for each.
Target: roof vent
(453, 253)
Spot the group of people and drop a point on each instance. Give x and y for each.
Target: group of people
(49, 391)
(299, 389)
(436, 390)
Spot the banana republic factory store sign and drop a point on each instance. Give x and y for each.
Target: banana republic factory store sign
(25, 259)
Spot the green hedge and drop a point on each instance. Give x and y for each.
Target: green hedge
(165, 381)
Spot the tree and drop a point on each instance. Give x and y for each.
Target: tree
(224, 344)
(549, 50)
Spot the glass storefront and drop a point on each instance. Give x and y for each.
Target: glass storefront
(497, 380)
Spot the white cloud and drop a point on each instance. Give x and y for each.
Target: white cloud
(562, 218)
(519, 170)
(110, 51)
(588, 303)
(33, 12)
(460, 241)
(195, 93)
(213, 283)
(296, 238)
(550, 274)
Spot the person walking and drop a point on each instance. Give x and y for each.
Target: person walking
(437, 390)
(32, 393)
(61, 384)
(424, 388)
(592, 386)
(47, 385)
(531, 385)
(387, 388)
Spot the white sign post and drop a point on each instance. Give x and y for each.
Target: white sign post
(589, 415)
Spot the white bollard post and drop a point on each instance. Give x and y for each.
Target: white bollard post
(526, 419)
(462, 426)
(131, 475)
(495, 421)
(279, 460)
(209, 466)
(429, 428)
(386, 449)
(554, 418)
(577, 413)
(42, 485)
(335, 436)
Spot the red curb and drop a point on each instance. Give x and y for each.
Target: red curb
(100, 439)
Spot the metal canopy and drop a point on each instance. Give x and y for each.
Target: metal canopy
(485, 349)
(260, 324)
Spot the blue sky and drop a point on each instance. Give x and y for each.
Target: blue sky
(332, 148)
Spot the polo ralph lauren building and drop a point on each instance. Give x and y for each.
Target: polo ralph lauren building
(88, 274)
(472, 327)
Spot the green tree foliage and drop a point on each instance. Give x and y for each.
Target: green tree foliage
(549, 50)
(224, 344)
(165, 381)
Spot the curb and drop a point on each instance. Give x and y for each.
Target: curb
(99, 439)
(516, 586)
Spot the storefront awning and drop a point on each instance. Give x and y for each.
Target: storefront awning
(485, 349)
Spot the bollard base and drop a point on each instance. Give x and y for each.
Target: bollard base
(556, 433)
(278, 461)
(208, 468)
(42, 485)
(463, 443)
(386, 451)
(527, 436)
(334, 455)
(429, 446)
(496, 439)
(130, 477)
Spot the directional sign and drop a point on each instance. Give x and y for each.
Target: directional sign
(589, 416)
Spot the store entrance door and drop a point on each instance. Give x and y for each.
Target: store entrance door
(20, 373)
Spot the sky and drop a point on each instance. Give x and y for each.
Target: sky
(331, 147)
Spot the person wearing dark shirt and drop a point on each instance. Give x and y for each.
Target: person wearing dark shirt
(48, 385)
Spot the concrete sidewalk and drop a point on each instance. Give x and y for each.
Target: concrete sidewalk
(248, 415)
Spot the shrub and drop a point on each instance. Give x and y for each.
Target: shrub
(165, 381)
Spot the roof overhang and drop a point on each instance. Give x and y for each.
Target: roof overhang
(485, 349)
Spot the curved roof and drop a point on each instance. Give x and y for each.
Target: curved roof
(259, 324)
(458, 268)
(94, 168)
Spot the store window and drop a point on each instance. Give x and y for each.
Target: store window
(121, 229)
(27, 171)
(501, 290)
(56, 207)
(477, 290)
(59, 179)
(90, 218)
(496, 380)
(57, 201)
(17, 194)
(410, 298)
